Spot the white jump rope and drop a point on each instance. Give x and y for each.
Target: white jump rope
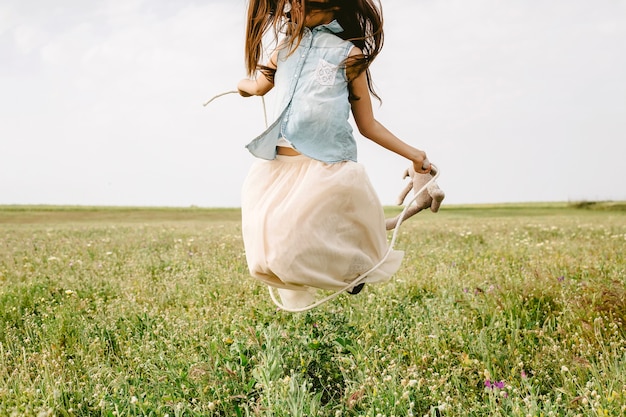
(364, 275)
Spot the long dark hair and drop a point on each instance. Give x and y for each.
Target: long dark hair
(362, 21)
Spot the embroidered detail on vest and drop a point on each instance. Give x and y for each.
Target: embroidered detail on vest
(325, 73)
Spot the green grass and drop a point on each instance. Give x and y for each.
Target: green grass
(499, 310)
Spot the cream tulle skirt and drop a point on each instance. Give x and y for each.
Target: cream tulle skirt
(311, 225)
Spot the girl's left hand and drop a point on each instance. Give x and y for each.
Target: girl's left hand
(421, 164)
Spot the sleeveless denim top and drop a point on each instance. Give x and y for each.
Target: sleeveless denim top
(312, 98)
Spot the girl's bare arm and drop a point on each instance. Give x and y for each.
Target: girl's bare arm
(372, 129)
(259, 86)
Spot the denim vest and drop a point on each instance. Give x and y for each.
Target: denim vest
(312, 98)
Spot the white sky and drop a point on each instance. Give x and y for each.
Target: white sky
(516, 100)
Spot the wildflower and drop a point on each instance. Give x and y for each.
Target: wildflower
(494, 384)
(564, 368)
(523, 374)
(46, 413)
(465, 359)
(133, 400)
(561, 278)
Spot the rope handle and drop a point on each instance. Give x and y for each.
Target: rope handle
(206, 103)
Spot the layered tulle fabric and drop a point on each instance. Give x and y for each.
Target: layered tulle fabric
(312, 225)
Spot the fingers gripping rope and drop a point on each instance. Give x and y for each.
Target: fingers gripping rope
(364, 275)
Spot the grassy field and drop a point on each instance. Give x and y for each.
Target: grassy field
(504, 310)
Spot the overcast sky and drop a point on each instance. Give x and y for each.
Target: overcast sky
(515, 101)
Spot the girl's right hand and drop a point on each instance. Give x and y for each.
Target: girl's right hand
(257, 87)
(242, 86)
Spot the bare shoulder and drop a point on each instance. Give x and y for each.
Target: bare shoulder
(355, 51)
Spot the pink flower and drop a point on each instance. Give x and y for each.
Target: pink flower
(494, 385)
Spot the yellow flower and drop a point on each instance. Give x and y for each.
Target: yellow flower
(465, 360)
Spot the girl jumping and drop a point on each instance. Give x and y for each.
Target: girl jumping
(310, 216)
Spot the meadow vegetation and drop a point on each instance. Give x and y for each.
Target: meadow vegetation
(504, 310)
